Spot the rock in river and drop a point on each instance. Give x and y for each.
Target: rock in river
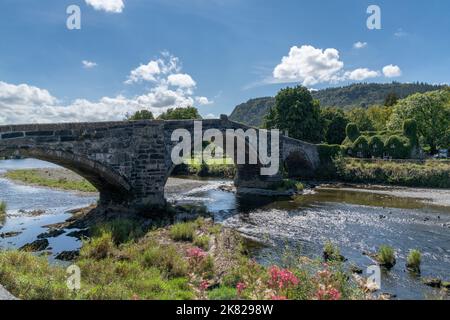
(68, 255)
(38, 245)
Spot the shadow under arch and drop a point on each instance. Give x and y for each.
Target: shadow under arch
(112, 187)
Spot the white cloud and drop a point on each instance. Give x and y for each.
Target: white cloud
(203, 101)
(24, 94)
(360, 45)
(392, 71)
(309, 66)
(181, 80)
(211, 116)
(88, 64)
(114, 6)
(145, 72)
(361, 74)
(27, 104)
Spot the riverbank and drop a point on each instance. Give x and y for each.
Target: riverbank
(187, 260)
(430, 174)
(55, 178)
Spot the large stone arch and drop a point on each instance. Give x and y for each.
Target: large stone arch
(112, 187)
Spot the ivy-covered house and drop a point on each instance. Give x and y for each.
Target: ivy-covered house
(383, 144)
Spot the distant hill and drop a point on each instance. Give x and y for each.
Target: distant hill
(361, 94)
(253, 111)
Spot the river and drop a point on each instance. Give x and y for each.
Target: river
(356, 219)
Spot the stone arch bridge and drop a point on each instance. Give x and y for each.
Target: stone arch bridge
(130, 162)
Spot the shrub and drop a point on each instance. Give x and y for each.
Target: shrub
(121, 230)
(386, 256)
(2, 209)
(202, 242)
(327, 152)
(413, 261)
(98, 248)
(376, 146)
(331, 252)
(165, 258)
(352, 131)
(183, 231)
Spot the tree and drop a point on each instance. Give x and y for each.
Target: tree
(335, 123)
(379, 116)
(391, 99)
(140, 115)
(296, 112)
(189, 113)
(431, 112)
(360, 117)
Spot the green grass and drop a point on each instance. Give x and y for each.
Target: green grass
(35, 178)
(183, 231)
(223, 293)
(386, 256)
(431, 174)
(3, 207)
(202, 242)
(414, 260)
(331, 252)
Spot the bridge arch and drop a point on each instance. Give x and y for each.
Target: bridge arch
(112, 187)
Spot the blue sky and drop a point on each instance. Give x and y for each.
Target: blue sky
(214, 54)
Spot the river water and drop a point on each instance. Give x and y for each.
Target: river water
(356, 219)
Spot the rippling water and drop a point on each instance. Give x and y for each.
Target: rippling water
(355, 220)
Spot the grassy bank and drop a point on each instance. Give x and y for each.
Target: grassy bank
(430, 174)
(192, 260)
(52, 178)
(211, 168)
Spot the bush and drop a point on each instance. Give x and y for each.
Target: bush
(327, 152)
(376, 146)
(414, 260)
(202, 242)
(331, 252)
(121, 230)
(386, 256)
(165, 258)
(183, 231)
(98, 248)
(352, 131)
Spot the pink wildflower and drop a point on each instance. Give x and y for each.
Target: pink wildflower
(282, 278)
(241, 287)
(204, 285)
(328, 294)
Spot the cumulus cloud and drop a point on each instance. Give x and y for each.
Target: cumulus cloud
(360, 45)
(309, 66)
(28, 104)
(181, 80)
(392, 71)
(24, 94)
(361, 74)
(203, 101)
(114, 6)
(88, 64)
